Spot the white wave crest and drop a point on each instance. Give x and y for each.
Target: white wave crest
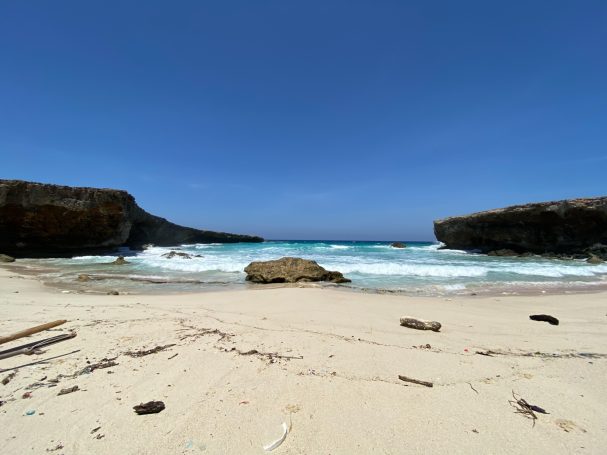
(425, 270)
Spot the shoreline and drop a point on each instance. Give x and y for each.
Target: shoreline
(482, 289)
(325, 361)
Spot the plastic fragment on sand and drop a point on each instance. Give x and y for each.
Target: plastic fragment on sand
(31, 412)
(279, 441)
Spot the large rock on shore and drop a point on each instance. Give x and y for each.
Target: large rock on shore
(290, 270)
(572, 227)
(43, 220)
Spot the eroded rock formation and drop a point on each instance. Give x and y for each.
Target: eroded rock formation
(43, 220)
(576, 227)
(290, 270)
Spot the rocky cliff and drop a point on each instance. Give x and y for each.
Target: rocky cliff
(42, 220)
(575, 227)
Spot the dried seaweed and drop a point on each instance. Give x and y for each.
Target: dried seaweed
(143, 353)
(527, 410)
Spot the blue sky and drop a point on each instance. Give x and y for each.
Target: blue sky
(287, 119)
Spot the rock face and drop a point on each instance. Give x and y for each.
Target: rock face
(575, 227)
(42, 220)
(5, 258)
(290, 270)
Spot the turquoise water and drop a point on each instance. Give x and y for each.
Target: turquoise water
(421, 268)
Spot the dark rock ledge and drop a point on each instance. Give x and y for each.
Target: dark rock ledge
(575, 228)
(43, 220)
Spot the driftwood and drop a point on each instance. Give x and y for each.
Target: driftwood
(420, 324)
(415, 381)
(31, 331)
(545, 318)
(31, 348)
(151, 407)
(40, 361)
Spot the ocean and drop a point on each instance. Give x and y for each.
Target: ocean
(421, 269)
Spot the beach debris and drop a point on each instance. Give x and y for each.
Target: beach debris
(34, 348)
(423, 346)
(113, 293)
(31, 412)
(204, 331)
(275, 444)
(142, 353)
(545, 318)
(26, 395)
(415, 381)
(31, 331)
(95, 430)
(420, 324)
(39, 384)
(84, 277)
(68, 390)
(103, 363)
(8, 378)
(151, 407)
(470, 384)
(40, 361)
(525, 409)
(173, 356)
(100, 436)
(57, 447)
(486, 353)
(271, 356)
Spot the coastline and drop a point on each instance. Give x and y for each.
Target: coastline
(343, 396)
(165, 285)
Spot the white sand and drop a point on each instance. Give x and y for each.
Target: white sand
(343, 397)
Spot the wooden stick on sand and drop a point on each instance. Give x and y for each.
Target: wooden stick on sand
(31, 331)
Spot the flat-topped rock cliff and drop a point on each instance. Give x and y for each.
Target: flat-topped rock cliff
(575, 227)
(44, 220)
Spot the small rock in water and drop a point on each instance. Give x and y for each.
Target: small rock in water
(173, 253)
(398, 245)
(113, 293)
(6, 258)
(593, 259)
(120, 261)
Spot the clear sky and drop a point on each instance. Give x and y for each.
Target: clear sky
(308, 119)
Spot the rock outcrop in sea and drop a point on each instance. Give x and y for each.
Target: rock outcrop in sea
(574, 228)
(44, 220)
(290, 270)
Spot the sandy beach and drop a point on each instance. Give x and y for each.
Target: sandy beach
(324, 361)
